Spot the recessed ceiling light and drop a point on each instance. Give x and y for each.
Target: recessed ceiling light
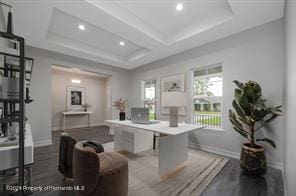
(121, 43)
(179, 7)
(76, 81)
(81, 27)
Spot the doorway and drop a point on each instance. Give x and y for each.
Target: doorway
(79, 98)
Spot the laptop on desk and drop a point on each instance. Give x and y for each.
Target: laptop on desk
(141, 116)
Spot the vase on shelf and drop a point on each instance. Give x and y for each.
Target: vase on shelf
(12, 131)
(85, 107)
(121, 105)
(121, 116)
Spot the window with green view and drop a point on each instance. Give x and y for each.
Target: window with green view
(149, 90)
(207, 95)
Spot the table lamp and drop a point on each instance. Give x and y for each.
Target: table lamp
(173, 100)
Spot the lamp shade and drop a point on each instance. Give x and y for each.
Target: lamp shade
(173, 99)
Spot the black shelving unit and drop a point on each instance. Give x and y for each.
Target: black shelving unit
(17, 67)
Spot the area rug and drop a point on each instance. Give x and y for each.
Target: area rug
(201, 169)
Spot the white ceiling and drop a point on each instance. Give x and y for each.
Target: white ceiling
(151, 29)
(94, 39)
(164, 18)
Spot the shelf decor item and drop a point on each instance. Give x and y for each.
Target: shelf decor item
(10, 88)
(121, 105)
(251, 113)
(85, 107)
(12, 131)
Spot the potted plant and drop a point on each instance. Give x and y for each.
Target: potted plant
(251, 113)
(121, 105)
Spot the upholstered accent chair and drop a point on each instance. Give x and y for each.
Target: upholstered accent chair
(66, 153)
(103, 173)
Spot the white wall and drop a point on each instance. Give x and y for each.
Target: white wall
(39, 112)
(95, 96)
(290, 97)
(255, 54)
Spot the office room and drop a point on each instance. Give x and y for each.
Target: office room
(124, 98)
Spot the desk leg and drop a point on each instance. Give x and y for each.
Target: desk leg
(173, 154)
(111, 129)
(88, 120)
(63, 123)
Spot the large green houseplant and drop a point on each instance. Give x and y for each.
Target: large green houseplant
(251, 113)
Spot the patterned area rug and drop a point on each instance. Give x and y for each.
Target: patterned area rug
(192, 180)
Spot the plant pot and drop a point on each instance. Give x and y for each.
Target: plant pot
(121, 116)
(252, 160)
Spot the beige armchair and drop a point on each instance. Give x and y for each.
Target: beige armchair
(99, 174)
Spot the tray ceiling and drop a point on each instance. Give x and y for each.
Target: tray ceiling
(63, 31)
(149, 30)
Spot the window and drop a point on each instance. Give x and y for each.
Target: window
(149, 89)
(207, 96)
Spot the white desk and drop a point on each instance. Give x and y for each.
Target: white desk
(72, 113)
(173, 143)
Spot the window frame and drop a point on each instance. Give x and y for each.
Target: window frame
(143, 99)
(216, 129)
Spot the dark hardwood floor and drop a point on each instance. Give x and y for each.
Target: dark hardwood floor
(46, 158)
(229, 182)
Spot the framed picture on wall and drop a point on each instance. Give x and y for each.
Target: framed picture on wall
(169, 84)
(75, 97)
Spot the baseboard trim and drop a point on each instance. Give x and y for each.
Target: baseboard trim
(42, 143)
(77, 127)
(273, 164)
(218, 151)
(55, 128)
